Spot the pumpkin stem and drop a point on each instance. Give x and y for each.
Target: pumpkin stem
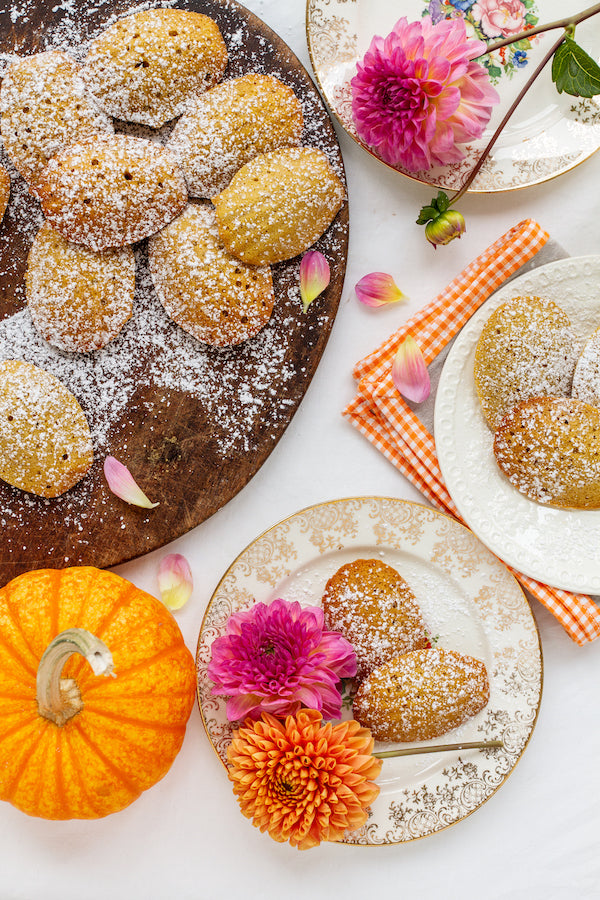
(59, 699)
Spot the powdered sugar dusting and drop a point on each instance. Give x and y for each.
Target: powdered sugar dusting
(237, 401)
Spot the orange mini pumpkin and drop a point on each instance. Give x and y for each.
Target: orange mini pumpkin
(81, 745)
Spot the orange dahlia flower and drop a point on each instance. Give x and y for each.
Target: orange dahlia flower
(303, 780)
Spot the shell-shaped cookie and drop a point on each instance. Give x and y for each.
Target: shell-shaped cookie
(79, 299)
(210, 294)
(4, 191)
(278, 205)
(45, 442)
(374, 608)
(527, 349)
(143, 67)
(45, 107)
(549, 449)
(229, 125)
(111, 191)
(421, 695)
(586, 380)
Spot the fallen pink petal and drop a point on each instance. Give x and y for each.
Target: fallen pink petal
(378, 289)
(315, 275)
(409, 372)
(175, 580)
(123, 485)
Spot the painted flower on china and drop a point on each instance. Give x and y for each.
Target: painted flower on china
(500, 18)
(303, 780)
(418, 93)
(278, 657)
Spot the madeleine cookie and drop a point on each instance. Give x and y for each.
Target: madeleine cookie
(586, 380)
(143, 67)
(44, 108)
(111, 191)
(45, 442)
(79, 299)
(421, 695)
(229, 125)
(278, 205)
(527, 349)
(4, 191)
(373, 607)
(549, 449)
(210, 294)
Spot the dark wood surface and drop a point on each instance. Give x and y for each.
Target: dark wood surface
(172, 441)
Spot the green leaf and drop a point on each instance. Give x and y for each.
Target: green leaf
(442, 201)
(574, 71)
(524, 44)
(495, 71)
(427, 213)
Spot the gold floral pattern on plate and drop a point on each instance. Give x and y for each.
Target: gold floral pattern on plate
(548, 134)
(470, 602)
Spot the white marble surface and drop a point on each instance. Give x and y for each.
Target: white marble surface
(185, 838)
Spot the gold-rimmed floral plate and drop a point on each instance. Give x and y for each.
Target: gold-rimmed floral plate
(549, 133)
(471, 604)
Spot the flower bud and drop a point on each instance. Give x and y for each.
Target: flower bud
(445, 227)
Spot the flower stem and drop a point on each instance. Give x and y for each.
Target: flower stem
(440, 748)
(472, 175)
(549, 26)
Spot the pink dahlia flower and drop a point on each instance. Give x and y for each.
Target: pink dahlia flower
(418, 93)
(276, 658)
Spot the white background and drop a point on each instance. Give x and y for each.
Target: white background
(538, 835)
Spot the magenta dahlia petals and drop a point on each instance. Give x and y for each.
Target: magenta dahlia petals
(276, 657)
(417, 93)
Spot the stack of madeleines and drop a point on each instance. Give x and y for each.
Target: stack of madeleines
(260, 198)
(539, 389)
(408, 690)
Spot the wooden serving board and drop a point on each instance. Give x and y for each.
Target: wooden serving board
(192, 423)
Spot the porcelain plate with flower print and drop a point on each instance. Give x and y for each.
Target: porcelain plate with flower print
(548, 134)
(556, 546)
(470, 602)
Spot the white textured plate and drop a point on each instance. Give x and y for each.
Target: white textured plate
(546, 136)
(557, 546)
(468, 599)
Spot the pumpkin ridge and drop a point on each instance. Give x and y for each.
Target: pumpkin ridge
(133, 790)
(138, 723)
(122, 674)
(15, 655)
(31, 748)
(77, 770)
(100, 627)
(16, 728)
(18, 627)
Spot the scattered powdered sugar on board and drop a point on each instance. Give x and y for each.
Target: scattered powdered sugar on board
(247, 393)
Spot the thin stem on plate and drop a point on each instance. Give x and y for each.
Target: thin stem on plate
(472, 175)
(440, 748)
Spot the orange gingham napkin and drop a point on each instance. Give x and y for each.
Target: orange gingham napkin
(384, 417)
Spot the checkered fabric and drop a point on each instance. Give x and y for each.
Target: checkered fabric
(380, 413)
